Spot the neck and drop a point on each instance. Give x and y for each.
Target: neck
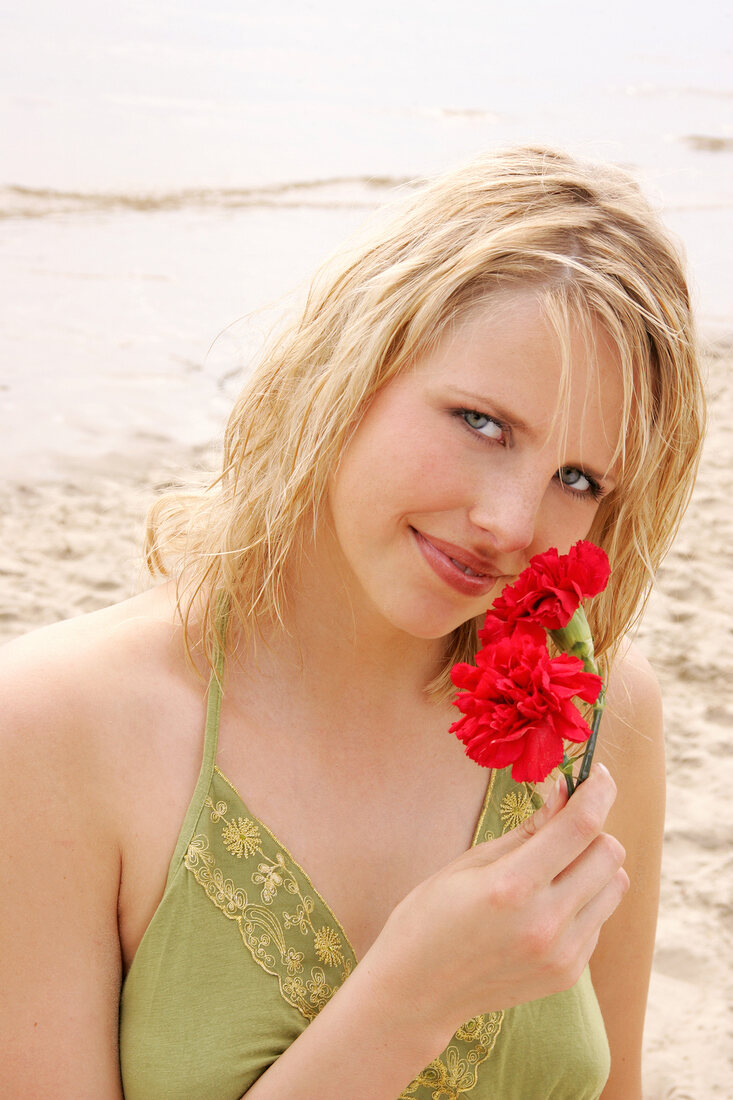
(336, 651)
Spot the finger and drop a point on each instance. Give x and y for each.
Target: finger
(593, 916)
(589, 874)
(570, 831)
(581, 935)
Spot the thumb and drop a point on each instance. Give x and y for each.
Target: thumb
(491, 850)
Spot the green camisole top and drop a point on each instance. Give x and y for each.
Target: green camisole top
(242, 952)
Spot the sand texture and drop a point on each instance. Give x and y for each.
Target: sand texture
(71, 545)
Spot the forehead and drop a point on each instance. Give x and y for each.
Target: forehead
(510, 351)
(521, 322)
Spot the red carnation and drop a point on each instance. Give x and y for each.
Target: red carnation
(495, 629)
(517, 706)
(549, 591)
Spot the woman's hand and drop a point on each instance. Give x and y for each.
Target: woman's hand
(509, 921)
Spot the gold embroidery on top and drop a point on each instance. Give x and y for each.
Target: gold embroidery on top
(318, 989)
(455, 1072)
(222, 892)
(293, 960)
(516, 807)
(301, 918)
(241, 837)
(328, 946)
(270, 877)
(263, 931)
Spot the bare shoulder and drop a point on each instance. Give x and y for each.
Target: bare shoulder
(75, 706)
(632, 733)
(95, 713)
(60, 684)
(631, 744)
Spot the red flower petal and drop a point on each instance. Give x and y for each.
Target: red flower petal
(549, 591)
(496, 628)
(539, 756)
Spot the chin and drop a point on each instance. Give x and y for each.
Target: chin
(433, 627)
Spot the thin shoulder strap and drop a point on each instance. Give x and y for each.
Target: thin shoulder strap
(211, 740)
(213, 707)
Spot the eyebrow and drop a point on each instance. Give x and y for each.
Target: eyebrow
(512, 420)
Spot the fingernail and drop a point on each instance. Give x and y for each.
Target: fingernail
(554, 800)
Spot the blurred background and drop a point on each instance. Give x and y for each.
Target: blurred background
(170, 173)
(168, 168)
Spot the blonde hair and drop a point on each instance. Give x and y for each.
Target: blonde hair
(586, 238)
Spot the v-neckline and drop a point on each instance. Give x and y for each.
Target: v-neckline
(211, 741)
(327, 909)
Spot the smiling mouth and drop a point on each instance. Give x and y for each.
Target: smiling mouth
(467, 570)
(466, 578)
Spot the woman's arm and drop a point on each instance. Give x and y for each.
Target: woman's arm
(59, 948)
(631, 744)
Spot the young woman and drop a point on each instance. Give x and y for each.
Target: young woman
(242, 853)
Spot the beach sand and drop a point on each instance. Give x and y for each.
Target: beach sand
(72, 544)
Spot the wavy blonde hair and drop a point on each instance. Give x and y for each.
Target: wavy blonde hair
(582, 234)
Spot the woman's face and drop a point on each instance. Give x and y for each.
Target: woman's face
(465, 466)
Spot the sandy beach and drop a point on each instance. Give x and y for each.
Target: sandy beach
(72, 544)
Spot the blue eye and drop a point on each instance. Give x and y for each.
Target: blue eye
(577, 482)
(483, 424)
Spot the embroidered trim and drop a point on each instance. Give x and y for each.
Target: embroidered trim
(455, 1072)
(515, 807)
(267, 935)
(485, 805)
(293, 862)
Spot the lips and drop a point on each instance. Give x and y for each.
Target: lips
(462, 570)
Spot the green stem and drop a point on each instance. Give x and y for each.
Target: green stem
(591, 742)
(567, 770)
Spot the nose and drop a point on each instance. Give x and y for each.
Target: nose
(506, 512)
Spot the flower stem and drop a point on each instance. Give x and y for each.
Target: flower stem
(591, 742)
(567, 770)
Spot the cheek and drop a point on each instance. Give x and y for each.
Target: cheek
(424, 475)
(395, 482)
(563, 521)
(395, 460)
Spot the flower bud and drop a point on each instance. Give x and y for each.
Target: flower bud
(577, 639)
